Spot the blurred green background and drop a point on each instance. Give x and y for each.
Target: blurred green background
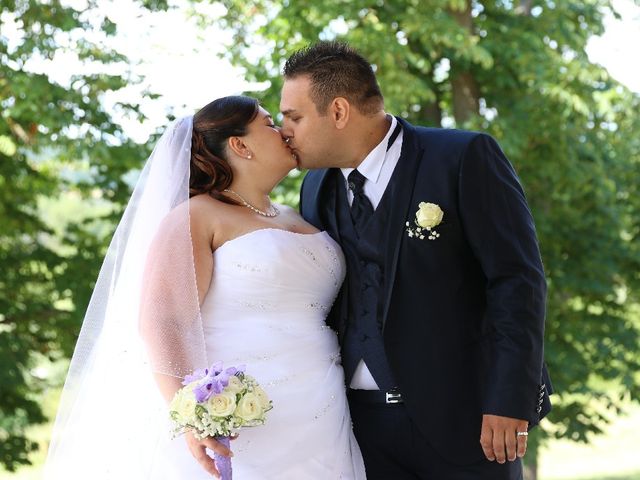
(79, 113)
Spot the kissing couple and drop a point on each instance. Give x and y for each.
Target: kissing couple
(396, 322)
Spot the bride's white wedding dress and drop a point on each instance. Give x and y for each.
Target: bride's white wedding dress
(270, 293)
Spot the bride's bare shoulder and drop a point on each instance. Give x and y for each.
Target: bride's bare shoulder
(200, 211)
(206, 207)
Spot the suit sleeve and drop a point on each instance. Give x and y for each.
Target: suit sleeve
(307, 206)
(500, 230)
(301, 202)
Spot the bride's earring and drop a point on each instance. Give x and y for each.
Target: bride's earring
(250, 156)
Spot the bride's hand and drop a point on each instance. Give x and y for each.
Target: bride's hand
(199, 452)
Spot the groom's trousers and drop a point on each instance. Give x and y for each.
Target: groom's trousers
(393, 448)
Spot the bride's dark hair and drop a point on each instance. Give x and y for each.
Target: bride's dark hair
(212, 126)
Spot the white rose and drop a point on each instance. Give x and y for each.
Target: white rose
(429, 215)
(249, 407)
(263, 398)
(222, 404)
(184, 404)
(235, 385)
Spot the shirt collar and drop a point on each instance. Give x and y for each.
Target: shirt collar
(371, 166)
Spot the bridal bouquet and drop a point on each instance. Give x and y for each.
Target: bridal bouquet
(217, 402)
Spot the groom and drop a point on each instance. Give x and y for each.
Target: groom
(441, 317)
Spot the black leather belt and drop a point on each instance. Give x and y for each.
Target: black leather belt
(375, 396)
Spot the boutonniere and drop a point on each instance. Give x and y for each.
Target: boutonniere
(428, 216)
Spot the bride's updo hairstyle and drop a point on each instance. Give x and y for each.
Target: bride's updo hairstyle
(212, 126)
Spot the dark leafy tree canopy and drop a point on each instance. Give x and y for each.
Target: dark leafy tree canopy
(57, 143)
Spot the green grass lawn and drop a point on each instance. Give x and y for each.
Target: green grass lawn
(614, 456)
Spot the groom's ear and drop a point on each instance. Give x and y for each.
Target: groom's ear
(340, 111)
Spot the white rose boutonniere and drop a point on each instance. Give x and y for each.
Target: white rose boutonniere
(428, 216)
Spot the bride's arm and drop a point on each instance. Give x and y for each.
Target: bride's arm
(176, 280)
(180, 258)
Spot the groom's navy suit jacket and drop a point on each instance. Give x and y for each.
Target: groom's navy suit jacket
(463, 314)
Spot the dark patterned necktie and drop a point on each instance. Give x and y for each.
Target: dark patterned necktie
(361, 208)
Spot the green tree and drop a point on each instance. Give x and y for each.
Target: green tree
(518, 70)
(51, 134)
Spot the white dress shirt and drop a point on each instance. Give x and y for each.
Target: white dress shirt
(377, 168)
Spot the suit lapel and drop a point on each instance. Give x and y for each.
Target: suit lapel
(330, 210)
(400, 206)
(319, 201)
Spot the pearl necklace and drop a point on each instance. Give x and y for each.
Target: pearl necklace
(274, 210)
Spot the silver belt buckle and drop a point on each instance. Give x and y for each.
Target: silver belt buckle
(393, 396)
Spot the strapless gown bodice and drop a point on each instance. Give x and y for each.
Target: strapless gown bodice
(276, 278)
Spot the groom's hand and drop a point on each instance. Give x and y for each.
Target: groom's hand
(198, 449)
(499, 440)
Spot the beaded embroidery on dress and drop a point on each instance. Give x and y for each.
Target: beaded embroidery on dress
(270, 293)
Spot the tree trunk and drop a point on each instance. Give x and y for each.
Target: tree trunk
(463, 85)
(525, 7)
(433, 114)
(465, 96)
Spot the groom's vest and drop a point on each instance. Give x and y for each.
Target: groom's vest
(365, 276)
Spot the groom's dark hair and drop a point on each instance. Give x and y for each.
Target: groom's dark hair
(336, 70)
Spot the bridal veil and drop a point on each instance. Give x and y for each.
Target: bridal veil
(143, 322)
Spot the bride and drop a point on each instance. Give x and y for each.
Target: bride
(203, 267)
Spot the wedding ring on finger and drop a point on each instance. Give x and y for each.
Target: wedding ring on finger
(522, 434)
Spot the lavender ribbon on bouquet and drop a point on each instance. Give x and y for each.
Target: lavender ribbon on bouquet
(223, 463)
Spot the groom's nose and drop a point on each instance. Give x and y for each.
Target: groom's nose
(286, 130)
(285, 137)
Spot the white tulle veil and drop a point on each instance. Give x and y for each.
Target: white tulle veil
(143, 321)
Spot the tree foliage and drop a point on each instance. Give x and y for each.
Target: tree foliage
(57, 142)
(518, 70)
